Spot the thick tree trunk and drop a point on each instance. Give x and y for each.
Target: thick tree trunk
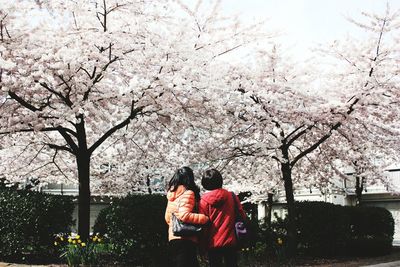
(83, 162)
(288, 183)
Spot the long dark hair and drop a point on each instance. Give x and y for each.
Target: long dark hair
(184, 176)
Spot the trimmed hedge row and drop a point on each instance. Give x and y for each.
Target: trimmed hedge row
(373, 230)
(28, 222)
(325, 229)
(136, 228)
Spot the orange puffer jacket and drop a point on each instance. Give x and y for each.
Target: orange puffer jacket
(186, 200)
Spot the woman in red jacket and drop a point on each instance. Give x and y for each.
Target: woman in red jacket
(183, 195)
(218, 204)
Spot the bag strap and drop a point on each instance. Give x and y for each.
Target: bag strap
(237, 213)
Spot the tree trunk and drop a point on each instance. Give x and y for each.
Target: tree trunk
(83, 162)
(148, 185)
(269, 205)
(359, 189)
(291, 234)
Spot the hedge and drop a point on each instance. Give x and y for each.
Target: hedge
(28, 222)
(372, 230)
(137, 233)
(136, 229)
(325, 229)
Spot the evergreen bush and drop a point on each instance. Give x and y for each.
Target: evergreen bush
(136, 229)
(328, 230)
(372, 231)
(325, 229)
(29, 222)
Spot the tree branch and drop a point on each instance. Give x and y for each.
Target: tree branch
(58, 167)
(24, 103)
(97, 78)
(46, 129)
(66, 84)
(298, 135)
(60, 95)
(133, 114)
(58, 147)
(325, 136)
(35, 156)
(69, 140)
(276, 158)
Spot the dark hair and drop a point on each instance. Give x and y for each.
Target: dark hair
(184, 176)
(212, 179)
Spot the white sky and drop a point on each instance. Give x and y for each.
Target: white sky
(304, 24)
(309, 21)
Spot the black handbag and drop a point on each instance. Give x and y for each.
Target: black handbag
(180, 228)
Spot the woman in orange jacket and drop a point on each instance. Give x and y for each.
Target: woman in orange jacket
(183, 196)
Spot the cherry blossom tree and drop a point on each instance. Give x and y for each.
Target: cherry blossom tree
(99, 89)
(301, 126)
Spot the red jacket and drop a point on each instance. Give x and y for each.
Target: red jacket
(219, 206)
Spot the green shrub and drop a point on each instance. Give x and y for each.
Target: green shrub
(325, 229)
(372, 231)
(29, 221)
(136, 229)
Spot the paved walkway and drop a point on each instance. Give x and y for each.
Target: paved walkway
(2, 264)
(387, 264)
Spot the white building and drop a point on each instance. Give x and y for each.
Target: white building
(97, 202)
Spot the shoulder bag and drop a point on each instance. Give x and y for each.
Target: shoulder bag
(241, 230)
(180, 228)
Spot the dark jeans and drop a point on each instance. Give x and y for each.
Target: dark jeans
(182, 253)
(228, 255)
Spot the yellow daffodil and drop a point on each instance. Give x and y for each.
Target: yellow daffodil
(83, 244)
(279, 241)
(95, 238)
(77, 236)
(99, 239)
(79, 241)
(55, 243)
(73, 241)
(62, 238)
(69, 240)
